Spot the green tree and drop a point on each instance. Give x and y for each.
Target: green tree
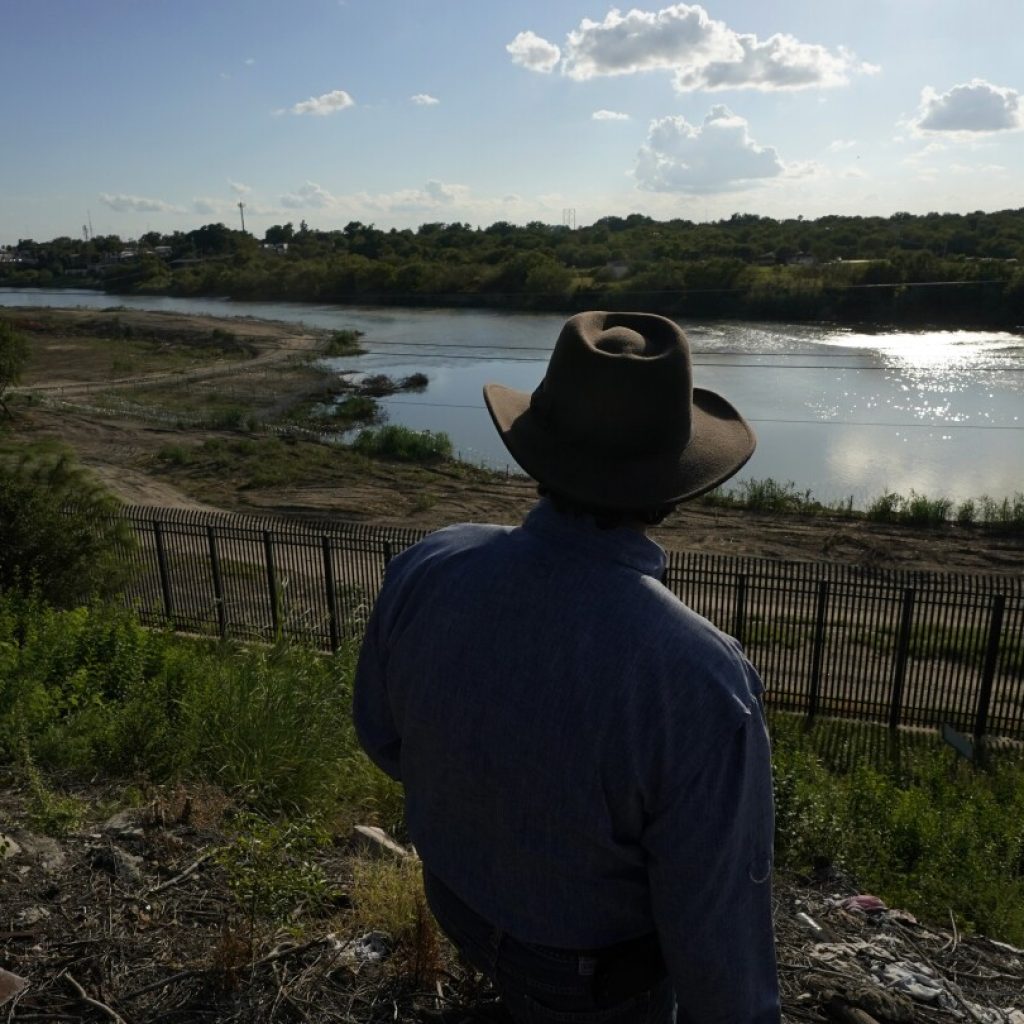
(61, 536)
(13, 356)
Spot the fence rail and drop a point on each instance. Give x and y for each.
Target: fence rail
(899, 647)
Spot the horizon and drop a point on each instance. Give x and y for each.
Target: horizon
(129, 118)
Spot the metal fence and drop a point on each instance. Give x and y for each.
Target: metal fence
(904, 648)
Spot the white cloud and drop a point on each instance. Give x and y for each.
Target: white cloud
(703, 52)
(249, 61)
(137, 204)
(717, 156)
(238, 188)
(779, 62)
(424, 99)
(328, 103)
(975, 107)
(642, 40)
(309, 195)
(533, 52)
(839, 145)
(608, 115)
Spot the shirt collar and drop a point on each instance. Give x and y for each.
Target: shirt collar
(580, 533)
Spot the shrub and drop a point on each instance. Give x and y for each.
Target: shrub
(60, 534)
(403, 444)
(344, 343)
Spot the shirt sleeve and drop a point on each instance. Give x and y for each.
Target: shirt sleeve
(709, 866)
(371, 709)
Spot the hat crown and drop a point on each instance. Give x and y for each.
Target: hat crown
(620, 383)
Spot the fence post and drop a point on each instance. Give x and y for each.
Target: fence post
(988, 673)
(218, 582)
(275, 608)
(902, 651)
(739, 619)
(332, 602)
(388, 553)
(819, 648)
(164, 568)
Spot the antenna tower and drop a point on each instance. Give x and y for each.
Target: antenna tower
(241, 213)
(569, 218)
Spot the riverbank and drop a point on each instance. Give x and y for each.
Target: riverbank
(258, 373)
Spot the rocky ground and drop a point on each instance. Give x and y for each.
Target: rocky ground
(136, 918)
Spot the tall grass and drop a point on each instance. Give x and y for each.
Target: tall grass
(403, 444)
(91, 692)
(1000, 515)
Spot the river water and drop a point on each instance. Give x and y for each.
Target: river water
(838, 412)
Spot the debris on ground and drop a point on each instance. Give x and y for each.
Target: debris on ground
(136, 919)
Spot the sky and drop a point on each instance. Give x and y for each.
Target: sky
(163, 115)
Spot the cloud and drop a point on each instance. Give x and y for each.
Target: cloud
(328, 103)
(249, 61)
(704, 53)
(608, 115)
(839, 145)
(423, 99)
(137, 204)
(310, 195)
(238, 188)
(975, 107)
(644, 40)
(533, 52)
(206, 207)
(779, 62)
(717, 156)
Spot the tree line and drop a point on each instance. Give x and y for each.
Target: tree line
(933, 268)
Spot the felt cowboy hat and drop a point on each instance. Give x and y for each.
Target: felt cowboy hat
(616, 422)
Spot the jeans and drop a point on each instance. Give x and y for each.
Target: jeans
(544, 985)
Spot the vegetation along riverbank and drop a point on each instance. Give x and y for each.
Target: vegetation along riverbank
(913, 270)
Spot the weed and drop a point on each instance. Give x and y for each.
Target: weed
(270, 870)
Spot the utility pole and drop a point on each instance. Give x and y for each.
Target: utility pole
(569, 218)
(241, 211)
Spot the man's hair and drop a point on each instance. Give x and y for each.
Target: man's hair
(606, 518)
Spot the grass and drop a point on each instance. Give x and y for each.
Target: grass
(404, 445)
(928, 833)
(962, 644)
(1004, 515)
(343, 343)
(89, 694)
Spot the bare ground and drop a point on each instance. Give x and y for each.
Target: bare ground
(124, 453)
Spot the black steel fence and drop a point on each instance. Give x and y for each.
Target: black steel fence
(905, 648)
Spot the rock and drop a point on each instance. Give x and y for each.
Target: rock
(8, 847)
(40, 850)
(10, 986)
(376, 843)
(124, 824)
(124, 866)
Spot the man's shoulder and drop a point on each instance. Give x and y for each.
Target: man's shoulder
(446, 543)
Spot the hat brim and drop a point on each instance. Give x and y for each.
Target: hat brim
(721, 441)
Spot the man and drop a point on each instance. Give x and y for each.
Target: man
(585, 759)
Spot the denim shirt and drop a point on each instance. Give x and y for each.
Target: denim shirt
(585, 759)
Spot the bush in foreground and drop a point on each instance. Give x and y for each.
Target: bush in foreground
(60, 535)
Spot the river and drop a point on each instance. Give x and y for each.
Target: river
(839, 412)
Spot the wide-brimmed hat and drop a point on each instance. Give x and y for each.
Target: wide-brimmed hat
(616, 422)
